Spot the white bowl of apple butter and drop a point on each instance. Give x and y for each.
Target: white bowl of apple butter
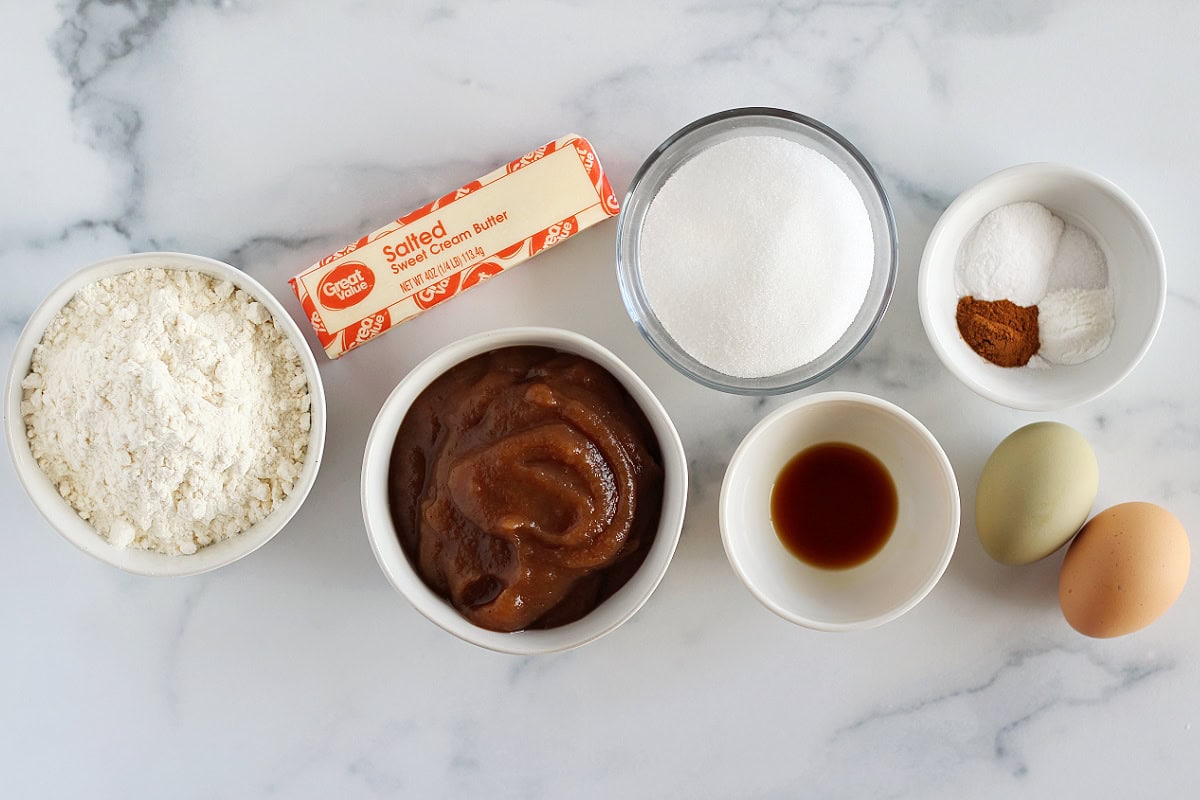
(524, 490)
(839, 511)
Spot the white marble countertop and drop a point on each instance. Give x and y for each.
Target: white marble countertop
(266, 134)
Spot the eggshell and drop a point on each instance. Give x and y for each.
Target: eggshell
(1036, 490)
(1124, 570)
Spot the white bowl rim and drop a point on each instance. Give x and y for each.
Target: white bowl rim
(376, 515)
(61, 516)
(924, 279)
(822, 398)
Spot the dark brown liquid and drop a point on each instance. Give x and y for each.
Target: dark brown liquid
(834, 505)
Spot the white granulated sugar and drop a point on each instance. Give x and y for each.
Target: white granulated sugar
(1009, 254)
(756, 255)
(168, 409)
(1075, 325)
(1078, 262)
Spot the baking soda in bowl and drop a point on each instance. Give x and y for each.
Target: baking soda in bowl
(756, 255)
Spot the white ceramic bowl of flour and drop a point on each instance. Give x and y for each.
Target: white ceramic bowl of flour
(1136, 278)
(64, 518)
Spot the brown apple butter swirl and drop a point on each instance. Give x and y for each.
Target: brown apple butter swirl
(526, 487)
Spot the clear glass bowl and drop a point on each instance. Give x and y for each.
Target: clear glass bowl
(703, 134)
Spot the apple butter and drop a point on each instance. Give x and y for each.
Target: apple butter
(525, 487)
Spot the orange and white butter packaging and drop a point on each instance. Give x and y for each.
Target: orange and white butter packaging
(451, 244)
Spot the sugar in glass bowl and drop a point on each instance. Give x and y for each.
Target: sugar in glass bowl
(693, 140)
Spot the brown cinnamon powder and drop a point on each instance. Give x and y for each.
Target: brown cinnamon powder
(1003, 332)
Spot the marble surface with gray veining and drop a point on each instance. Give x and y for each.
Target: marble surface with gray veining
(267, 133)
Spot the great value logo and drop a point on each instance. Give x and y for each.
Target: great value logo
(346, 285)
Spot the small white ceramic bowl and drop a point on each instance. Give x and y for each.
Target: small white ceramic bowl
(64, 518)
(399, 570)
(910, 563)
(1136, 275)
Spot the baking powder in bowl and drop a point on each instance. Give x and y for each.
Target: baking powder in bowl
(756, 255)
(167, 408)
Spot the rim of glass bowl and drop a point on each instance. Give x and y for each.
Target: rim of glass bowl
(692, 139)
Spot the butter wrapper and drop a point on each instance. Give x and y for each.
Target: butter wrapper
(453, 243)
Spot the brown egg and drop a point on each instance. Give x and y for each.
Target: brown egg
(1124, 569)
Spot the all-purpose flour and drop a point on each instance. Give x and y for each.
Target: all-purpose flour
(168, 409)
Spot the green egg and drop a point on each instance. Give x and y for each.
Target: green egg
(1036, 490)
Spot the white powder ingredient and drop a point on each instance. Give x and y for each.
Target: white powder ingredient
(1078, 262)
(1075, 325)
(756, 255)
(1009, 254)
(168, 409)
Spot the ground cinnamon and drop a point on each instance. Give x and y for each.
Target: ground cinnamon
(1003, 332)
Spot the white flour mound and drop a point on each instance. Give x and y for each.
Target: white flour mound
(168, 409)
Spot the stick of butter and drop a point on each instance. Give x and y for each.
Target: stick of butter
(451, 244)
